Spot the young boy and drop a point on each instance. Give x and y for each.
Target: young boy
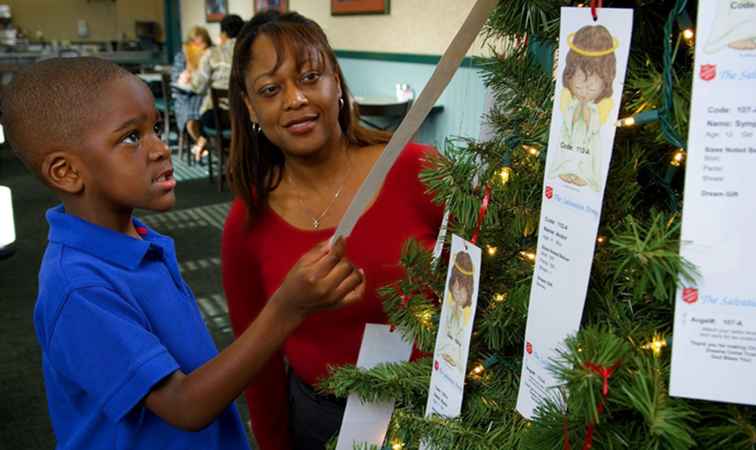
(127, 360)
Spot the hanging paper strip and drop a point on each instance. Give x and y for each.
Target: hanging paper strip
(714, 345)
(589, 79)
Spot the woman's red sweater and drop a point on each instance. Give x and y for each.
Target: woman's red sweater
(257, 256)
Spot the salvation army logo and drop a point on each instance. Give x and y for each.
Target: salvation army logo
(549, 192)
(435, 365)
(690, 295)
(708, 72)
(529, 348)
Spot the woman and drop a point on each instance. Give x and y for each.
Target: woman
(187, 103)
(298, 156)
(213, 72)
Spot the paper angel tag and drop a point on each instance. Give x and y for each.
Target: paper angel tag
(454, 330)
(589, 79)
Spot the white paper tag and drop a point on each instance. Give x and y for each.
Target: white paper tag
(7, 224)
(714, 350)
(454, 330)
(367, 423)
(588, 91)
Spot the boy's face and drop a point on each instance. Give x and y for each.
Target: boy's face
(586, 88)
(124, 164)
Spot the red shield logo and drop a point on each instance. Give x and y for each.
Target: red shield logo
(690, 295)
(549, 192)
(435, 364)
(708, 72)
(529, 348)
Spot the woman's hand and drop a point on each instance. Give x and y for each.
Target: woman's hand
(185, 77)
(322, 279)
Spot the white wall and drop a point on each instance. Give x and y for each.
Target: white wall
(414, 26)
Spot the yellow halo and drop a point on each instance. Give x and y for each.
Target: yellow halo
(469, 273)
(591, 53)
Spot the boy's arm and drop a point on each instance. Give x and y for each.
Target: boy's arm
(321, 279)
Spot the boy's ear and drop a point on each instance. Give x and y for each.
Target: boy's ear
(250, 110)
(59, 170)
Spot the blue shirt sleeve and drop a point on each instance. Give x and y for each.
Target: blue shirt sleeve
(103, 344)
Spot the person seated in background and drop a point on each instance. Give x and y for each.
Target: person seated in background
(214, 72)
(127, 359)
(187, 103)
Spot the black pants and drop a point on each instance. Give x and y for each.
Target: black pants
(207, 120)
(313, 418)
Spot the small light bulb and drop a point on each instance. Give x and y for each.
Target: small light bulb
(478, 369)
(530, 256)
(688, 34)
(491, 250)
(626, 122)
(500, 297)
(532, 151)
(601, 240)
(396, 444)
(425, 318)
(678, 158)
(505, 174)
(656, 345)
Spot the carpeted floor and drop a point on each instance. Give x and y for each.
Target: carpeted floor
(195, 224)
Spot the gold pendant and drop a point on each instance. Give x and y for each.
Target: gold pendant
(315, 223)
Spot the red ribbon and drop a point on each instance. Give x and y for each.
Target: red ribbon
(482, 213)
(595, 4)
(566, 433)
(605, 373)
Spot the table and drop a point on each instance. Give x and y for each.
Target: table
(387, 107)
(150, 77)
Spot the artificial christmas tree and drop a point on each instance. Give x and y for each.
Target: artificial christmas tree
(615, 371)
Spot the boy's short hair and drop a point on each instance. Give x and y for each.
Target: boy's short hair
(50, 103)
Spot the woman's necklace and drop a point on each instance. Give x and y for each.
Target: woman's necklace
(316, 220)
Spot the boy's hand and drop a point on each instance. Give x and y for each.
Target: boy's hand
(322, 279)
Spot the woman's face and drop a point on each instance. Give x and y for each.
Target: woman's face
(586, 88)
(197, 41)
(459, 291)
(298, 110)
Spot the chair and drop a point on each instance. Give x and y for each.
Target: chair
(218, 137)
(164, 104)
(390, 110)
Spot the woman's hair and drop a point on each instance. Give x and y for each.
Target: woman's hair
(200, 32)
(254, 165)
(592, 39)
(462, 273)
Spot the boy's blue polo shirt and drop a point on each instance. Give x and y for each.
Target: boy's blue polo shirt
(114, 317)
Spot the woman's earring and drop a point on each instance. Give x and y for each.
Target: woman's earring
(255, 127)
(341, 103)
